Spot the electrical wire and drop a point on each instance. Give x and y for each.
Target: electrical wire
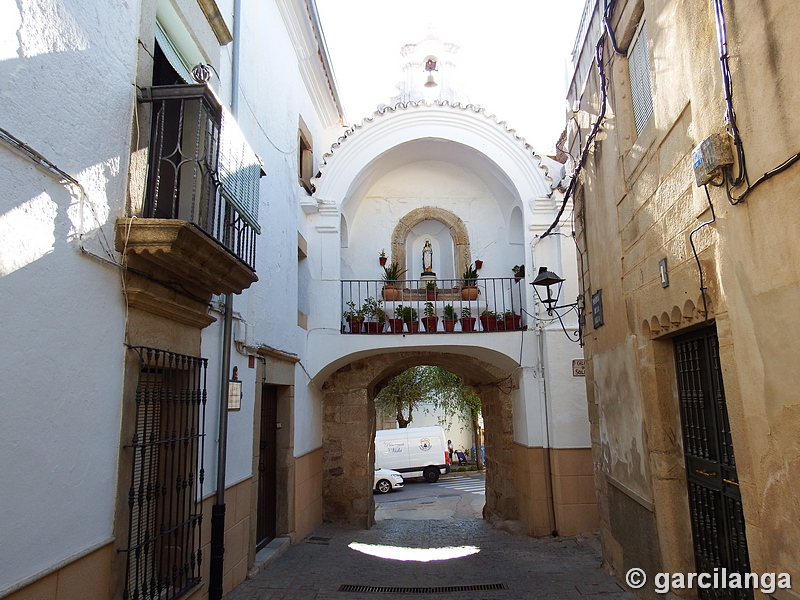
(599, 49)
(694, 251)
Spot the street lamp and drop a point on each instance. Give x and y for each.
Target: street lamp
(546, 279)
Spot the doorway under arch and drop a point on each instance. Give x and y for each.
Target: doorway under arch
(348, 431)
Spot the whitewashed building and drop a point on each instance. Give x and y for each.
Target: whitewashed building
(161, 237)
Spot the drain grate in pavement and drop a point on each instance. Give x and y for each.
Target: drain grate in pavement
(315, 539)
(442, 589)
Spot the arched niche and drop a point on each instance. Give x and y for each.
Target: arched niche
(516, 227)
(343, 234)
(458, 233)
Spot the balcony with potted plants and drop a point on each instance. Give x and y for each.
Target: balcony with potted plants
(395, 305)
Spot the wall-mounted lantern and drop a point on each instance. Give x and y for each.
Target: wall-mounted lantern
(546, 279)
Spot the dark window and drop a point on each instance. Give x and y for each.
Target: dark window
(305, 157)
(166, 488)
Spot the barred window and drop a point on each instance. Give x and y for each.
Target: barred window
(639, 71)
(166, 489)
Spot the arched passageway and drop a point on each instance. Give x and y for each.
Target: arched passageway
(348, 431)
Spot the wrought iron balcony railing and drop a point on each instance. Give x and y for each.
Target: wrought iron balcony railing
(201, 171)
(414, 306)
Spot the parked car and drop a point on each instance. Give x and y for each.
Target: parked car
(387, 480)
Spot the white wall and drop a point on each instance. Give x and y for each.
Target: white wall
(66, 89)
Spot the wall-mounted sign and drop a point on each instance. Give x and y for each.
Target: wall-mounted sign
(597, 308)
(579, 367)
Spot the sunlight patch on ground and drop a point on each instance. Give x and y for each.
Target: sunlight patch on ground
(414, 554)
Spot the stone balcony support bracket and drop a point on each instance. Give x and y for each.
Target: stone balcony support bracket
(179, 252)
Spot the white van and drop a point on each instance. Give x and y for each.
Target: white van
(413, 451)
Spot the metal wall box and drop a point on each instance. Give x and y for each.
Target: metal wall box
(709, 156)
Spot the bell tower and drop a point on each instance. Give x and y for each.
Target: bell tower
(429, 73)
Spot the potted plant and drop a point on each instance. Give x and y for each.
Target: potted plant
(396, 323)
(374, 315)
(430, 320)
(382, 258)
(469, 288)
(409, 316)
(354, 317)
(450, 319)
(391, 275)
(512, 320)
(478, 264)
(467, 320)
(489, 320)
(430, 289)
(519, 272)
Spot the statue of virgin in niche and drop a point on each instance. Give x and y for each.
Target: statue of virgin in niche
(427, 257)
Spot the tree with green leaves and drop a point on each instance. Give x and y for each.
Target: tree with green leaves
(430, 385)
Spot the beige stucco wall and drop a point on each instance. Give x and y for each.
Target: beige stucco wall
(308, 493)
(640, 204)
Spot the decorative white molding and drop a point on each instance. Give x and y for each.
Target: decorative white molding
(318, 81)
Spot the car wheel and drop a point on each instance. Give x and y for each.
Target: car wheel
(383, 486)
(431, 474)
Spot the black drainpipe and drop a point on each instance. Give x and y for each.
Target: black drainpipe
(218, 510)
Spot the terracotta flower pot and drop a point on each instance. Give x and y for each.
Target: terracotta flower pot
(412, 326)
(374, 327)
(430, 323)
(478, 264)
(449, 325)
(512, 322)
(469, 292)
(355, 325)
(489, 322)
(395, 325)
(431, 295)
(390, 293)
(383, 260)
(468, 323)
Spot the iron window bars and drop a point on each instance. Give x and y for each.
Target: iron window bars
(193, 174)
(166, 489)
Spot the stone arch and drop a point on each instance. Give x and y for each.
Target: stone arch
(458, 231)
(348, 431)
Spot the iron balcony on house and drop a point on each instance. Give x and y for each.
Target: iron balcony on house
(199, 221)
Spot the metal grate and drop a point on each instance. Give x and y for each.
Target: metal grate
(442, 589)
(194, 173)
(639, 71)
(164, 498)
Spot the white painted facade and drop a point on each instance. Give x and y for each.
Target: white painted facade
(68, 88)
(68, 75)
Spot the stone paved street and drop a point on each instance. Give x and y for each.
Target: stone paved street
(544, 569)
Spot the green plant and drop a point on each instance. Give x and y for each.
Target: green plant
(392, 272)
(472, 468)
(407, 313)
(488, 313)
(429, 311)
(470, 276)
(449, 312)
(383, 253)
(373, 310)
(519, 270)
(430, 286)
(466, 312)
(352, 313)
(510, 313)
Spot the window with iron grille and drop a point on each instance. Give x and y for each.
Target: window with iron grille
(639, 71)
(166, 488)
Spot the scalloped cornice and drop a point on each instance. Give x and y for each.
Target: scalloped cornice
(468, 109)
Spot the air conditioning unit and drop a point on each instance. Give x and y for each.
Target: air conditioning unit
(710, 156)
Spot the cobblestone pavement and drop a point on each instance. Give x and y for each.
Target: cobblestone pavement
(541, 569)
